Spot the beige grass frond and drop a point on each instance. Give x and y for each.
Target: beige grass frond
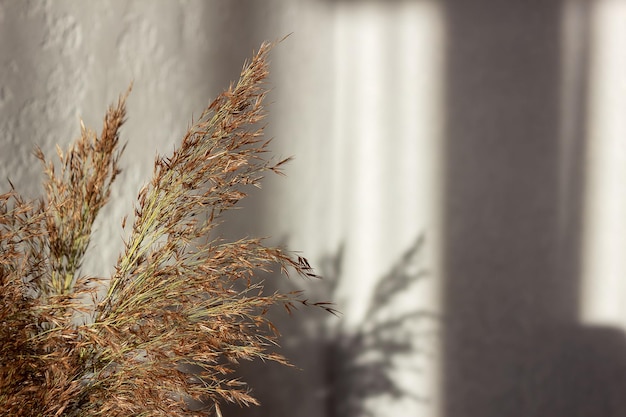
(183, 307)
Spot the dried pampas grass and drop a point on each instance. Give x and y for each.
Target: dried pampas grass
(181, 309)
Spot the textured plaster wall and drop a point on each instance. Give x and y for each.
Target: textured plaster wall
(61, 61)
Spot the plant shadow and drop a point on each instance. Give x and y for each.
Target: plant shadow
(362, 364)
(340, 371)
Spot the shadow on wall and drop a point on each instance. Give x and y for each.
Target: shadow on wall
(361, 364)
(340, 372)
(513, 345)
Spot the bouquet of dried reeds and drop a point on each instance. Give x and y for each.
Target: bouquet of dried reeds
(182, 307)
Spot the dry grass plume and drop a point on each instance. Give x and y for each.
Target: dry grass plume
(181, 309)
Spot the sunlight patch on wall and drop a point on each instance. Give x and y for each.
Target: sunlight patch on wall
(385, 168)
(360, 125)
(604, 269)
(387, 133)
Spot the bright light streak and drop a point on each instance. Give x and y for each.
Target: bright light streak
(604, 273)
(387, 139)
(360, 30)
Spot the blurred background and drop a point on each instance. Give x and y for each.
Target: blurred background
(459, 179)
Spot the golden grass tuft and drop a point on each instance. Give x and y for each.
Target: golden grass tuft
(182, 308)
